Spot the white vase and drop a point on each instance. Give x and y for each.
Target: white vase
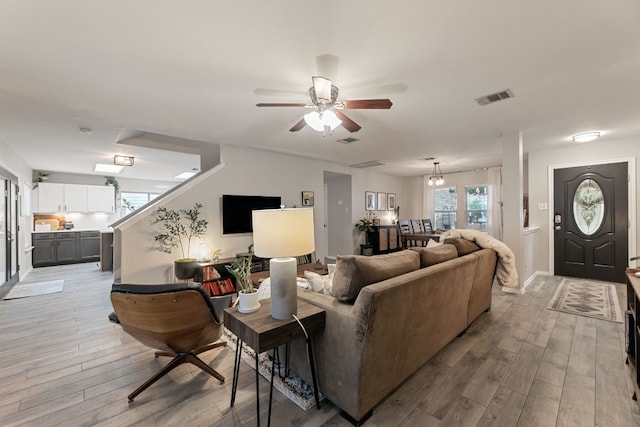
(248, 302)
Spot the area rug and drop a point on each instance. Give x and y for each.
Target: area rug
(587, 298)
(293, 387)
(22, 290)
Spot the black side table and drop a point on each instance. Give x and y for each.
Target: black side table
(261, 332)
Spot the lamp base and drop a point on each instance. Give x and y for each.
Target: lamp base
(284, 289)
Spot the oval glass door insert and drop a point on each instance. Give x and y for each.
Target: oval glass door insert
(588, 206)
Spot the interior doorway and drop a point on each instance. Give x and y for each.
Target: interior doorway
(8, 230)
(591, 221)
(337, 214)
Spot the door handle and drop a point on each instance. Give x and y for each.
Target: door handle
(557, 221)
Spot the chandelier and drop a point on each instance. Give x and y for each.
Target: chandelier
(436, 176)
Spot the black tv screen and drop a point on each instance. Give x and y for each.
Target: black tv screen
(236, 211)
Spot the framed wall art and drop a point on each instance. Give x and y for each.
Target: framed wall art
(391, 201)
(382, 201)
(307, 198)
(369, 201)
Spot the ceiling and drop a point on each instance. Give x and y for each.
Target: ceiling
(195, 70)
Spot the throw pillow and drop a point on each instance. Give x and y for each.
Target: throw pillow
(435, 255)
(463, 246)
(432, 243)
(265, 287)
(353, 272)
(320, 283)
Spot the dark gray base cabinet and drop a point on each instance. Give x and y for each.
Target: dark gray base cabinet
(65, 247)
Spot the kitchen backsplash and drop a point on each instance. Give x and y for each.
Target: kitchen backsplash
(80, 221)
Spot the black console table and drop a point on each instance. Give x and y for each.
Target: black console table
(385, 239)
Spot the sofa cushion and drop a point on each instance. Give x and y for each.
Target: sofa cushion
(463, 246)
(437, 254)
(353, 272)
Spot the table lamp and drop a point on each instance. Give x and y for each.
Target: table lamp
(282, 234)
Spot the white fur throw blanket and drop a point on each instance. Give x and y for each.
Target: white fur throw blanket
(506, 270)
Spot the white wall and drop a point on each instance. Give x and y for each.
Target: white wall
(10, 161)
(250, 172)
(598, 151)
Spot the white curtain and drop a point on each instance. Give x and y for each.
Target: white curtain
(429, 201)
(495, 203)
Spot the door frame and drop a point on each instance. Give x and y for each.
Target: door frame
(631, 192)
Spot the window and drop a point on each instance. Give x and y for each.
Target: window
(133, 201)
(446, 205)
(477, 206)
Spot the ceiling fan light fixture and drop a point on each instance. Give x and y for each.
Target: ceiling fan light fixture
(329, 118)
(317, 121)
(314, 121)
(322, 87)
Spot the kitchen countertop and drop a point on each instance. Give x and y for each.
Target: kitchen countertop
(69, 231)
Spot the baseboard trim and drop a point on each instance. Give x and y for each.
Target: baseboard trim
(521, 291)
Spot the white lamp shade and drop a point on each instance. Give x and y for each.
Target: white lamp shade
(279, 233)
(317, 121)
(329, 118)
(313, 120)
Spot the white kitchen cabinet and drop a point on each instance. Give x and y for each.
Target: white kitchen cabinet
(100, 198)
(75, 198)
(50, 197)
(55, 197)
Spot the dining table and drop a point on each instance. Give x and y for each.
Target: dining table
(418, 237)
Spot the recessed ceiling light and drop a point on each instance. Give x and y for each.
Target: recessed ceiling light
(185, 175)
(104, 168)
(585, 137)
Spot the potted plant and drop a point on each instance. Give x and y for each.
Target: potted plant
(365, 225)
(179, 227)
(248, 296)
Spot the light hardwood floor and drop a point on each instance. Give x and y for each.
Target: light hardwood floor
(63, 363)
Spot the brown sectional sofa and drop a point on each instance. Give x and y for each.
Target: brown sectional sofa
(374, 342)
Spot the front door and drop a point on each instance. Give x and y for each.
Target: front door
(590, 221)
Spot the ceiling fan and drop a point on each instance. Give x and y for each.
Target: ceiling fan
(327, 114)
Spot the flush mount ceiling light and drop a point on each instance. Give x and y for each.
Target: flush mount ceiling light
(104, 168)
(123, 160)
(186, 175)
(436, 176)
(585, 137)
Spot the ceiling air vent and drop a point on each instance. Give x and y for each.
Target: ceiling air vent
(495, 97)
(369, 164)
(347, 140)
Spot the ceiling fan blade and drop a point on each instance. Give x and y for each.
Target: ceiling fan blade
(347, 123)
(298, 126)
(370, 104)
(281, 104)
(322, 87)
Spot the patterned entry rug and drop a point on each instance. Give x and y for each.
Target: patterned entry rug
(294, 387)
(22, 290)
(587, 298)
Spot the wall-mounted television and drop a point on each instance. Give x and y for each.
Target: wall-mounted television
(236, 211)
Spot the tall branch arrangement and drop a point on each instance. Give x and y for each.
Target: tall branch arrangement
(179, 228)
